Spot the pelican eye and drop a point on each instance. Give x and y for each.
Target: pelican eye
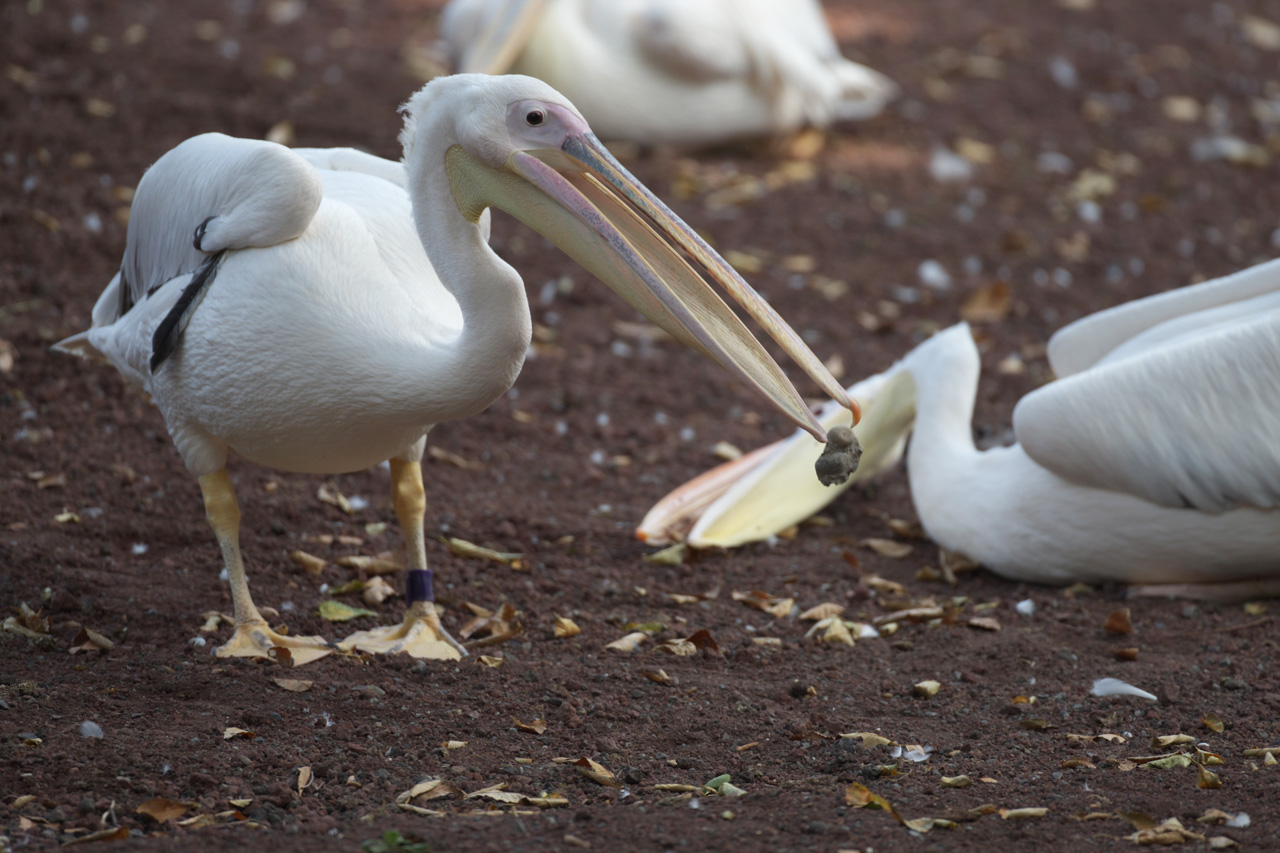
(535, 118)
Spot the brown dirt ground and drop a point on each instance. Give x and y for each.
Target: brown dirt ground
(94, 91)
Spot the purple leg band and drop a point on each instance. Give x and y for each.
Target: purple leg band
(418, 586)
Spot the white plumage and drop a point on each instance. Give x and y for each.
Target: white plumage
(1155, 459)
(319, 310)
(689, 72)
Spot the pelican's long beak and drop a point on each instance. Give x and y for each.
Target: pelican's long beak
(585, 201)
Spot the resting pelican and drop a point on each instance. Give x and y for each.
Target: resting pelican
(1154, 459)
(281, 303)
(687, 72)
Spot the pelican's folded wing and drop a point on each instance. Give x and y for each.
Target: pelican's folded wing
(209, 194)
(1193, 422)
(1087, 341)
(354, 160)
(698, 41)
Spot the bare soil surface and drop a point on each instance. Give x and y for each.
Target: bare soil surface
(1080, 120)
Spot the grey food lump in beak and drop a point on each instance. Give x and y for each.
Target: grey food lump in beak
(839, 458)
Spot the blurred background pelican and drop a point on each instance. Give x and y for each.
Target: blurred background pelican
(685, 72)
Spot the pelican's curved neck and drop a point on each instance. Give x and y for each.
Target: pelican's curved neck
(487, 356)
(946, 371)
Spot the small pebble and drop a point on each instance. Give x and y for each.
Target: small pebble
(933, 274)
(839, 458)
(91, 729)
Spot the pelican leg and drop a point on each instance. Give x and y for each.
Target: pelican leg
(420, 635)
(252, 637)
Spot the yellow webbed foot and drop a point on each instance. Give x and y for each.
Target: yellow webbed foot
(420, 635)
(256, 640)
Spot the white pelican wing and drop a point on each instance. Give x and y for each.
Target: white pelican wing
(1087, 341)
(1192, 421)
(209, 194)
(354, 160)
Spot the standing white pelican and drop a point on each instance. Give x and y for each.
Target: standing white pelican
(281, 303)
(1154, 459)
(688, 72)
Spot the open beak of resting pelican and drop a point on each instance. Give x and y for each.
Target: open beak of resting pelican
(561, 181)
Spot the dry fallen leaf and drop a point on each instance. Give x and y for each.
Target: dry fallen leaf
(305, 778)
(383, 564)
(329, 493)
(1078, 763)
(678, 648)
(233, 732)
(860, 797)
(309, 563)
(491, 661)
(629, 643)
(1206, 778)
(988, 304)
(956, 781)
(672, 555)
(566, 627)
(596, 773)
(160, 809)
(1022, 814)
(1106, 736)
(771, 604)
(376, 590)
(495, 628)
(115, 833)
(429, 789)
(89, 640)
(1170, 832)
(704, 642)
(911, 614)
(658, 675)
(831, 630)
(537, 727)
(336, 611)
(822, 611)
(887, 548)
(293, 685)
(469, 550)
(1118, 622)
